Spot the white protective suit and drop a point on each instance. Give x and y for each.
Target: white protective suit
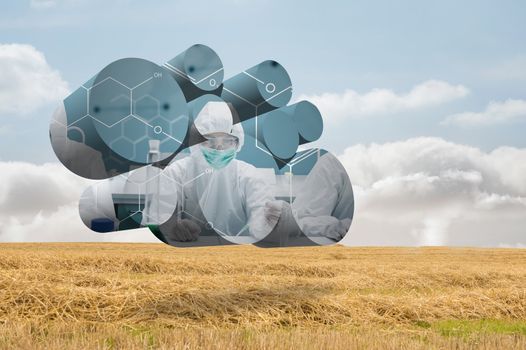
(324, 206)
(231, 199)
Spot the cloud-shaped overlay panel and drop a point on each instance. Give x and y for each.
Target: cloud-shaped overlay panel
(201, 161)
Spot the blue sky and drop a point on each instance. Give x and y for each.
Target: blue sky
(326, 46)
(424, 103)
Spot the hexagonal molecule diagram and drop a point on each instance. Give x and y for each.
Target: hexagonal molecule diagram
(201, 161)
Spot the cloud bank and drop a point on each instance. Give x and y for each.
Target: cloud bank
(39, 203)
(27, 82)
(351, 104)
(421, 191)
(427, 191)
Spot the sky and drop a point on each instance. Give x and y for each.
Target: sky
(423, 102)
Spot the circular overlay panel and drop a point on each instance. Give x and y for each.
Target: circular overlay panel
(133, 101)
(280, 134)
(204, 67)
(275, 85)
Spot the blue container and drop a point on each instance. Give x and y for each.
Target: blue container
(102, 225)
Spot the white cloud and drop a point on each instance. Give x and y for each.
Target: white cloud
(351, 104)
(40, 203)
(428, 191)
(495, 113)
(27, 82)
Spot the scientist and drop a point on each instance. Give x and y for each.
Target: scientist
(323, 207)
(216, 190)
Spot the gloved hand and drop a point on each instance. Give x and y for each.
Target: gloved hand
(285, 227)
(338, 230)
(346, 224)
(324, 226)
(273, 212)
(180, 230)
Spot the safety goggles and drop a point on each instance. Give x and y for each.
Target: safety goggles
(220, 141)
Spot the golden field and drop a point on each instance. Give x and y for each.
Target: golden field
(142, 296)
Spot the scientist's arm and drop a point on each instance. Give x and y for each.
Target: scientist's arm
(319, 194)
(162, 195)
(261, 220)
(324, 226)
(322, 192)
(168, 206)
(176, 229)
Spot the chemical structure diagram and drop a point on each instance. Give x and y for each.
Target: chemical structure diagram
(129, 110)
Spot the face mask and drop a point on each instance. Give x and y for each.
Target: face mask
(218, 158)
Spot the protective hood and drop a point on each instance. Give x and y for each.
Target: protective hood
(217, 117)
